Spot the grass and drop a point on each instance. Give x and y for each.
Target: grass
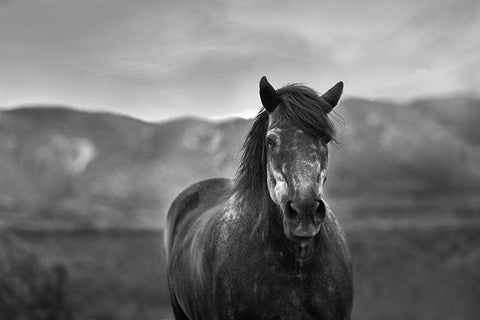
(28, 288)
(113, 275)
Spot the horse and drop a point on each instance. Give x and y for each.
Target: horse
(265, 245)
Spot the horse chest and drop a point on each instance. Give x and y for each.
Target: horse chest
(277, 293)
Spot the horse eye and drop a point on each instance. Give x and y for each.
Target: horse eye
(270, 142)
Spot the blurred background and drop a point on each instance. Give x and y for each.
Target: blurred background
(108, 109)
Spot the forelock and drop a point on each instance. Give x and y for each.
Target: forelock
(305, 109)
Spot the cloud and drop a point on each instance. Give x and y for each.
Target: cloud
(159, 59)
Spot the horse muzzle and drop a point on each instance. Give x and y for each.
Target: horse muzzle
(303, 218)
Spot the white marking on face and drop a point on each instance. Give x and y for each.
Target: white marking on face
(304, 172)
(323, 176)
(305, 175)
(274, 132)
(281, 186)
(278, 184)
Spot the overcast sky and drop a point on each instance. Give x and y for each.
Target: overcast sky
(159, 59)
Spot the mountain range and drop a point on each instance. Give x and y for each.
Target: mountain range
(64, 168)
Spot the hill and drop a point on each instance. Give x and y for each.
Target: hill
(63, 168)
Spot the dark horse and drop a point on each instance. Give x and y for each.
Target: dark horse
(265, 245)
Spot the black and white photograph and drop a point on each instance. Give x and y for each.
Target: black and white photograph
(237, 160)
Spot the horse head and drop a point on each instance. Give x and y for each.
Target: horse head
(296, 154)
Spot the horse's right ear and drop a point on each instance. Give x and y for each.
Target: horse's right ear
(268, 95)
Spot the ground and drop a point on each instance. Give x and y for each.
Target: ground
(413, 259)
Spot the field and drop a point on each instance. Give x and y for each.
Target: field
(408, 264)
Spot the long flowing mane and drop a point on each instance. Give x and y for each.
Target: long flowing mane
(300, 106)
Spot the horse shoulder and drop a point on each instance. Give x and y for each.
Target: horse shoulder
(197, 195)
(188, 243)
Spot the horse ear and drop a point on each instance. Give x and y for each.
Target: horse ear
(333, 95)
(268, 95)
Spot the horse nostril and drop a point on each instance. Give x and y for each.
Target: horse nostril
(306, 209)
(302, 209)
(290, 210)
(321, 210)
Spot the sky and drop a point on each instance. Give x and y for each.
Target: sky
(156, 60)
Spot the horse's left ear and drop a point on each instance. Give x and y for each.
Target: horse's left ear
(333, 95)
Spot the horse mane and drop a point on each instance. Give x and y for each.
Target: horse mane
(300, 106)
